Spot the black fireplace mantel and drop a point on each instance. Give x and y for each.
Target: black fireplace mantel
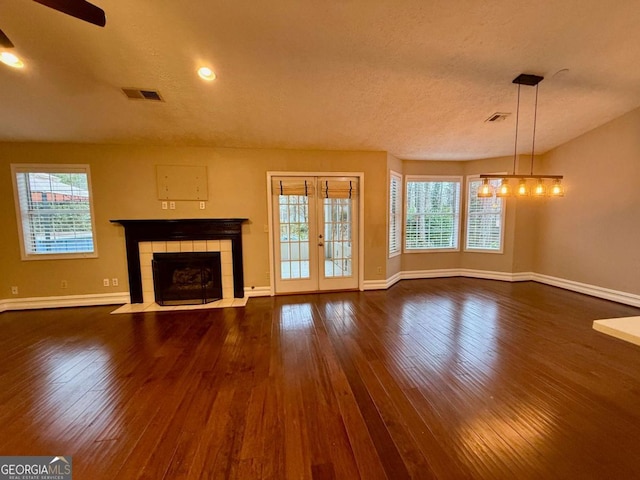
(137, 231)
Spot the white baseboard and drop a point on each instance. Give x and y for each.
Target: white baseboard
(444, 273)
(436, 273)
(33, 303)
(64, 301)
(593, 290)
(257, 291)
(490, 275)
(467, 272)
(381, 284)
(123, 297)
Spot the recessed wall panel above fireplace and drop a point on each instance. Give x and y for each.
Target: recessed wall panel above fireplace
(182, 182)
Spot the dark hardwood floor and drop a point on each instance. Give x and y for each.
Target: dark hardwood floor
(446, 378)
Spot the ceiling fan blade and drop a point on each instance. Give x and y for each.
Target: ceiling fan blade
(78, 8)
(4, 41)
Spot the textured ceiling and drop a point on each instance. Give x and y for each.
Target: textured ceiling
(414, 78)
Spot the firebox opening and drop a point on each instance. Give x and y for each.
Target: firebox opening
(187, 278)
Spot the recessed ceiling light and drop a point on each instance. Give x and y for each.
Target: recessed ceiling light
(11, 60)
(207, 74)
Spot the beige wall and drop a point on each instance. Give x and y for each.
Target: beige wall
(124, 187)
(590, 236)
(507, 261)
(593, 234)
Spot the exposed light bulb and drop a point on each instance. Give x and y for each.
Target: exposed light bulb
(485, 190)
(504, 190)
(540, 189)
(556, 189)
(523, 188)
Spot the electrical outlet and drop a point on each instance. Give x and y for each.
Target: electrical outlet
(14, 290)
(64, 284)
(114, 282)
(164, 205)
(172, 205)
(379, 270)
(105, 282)
(265, 228)
(203, 205)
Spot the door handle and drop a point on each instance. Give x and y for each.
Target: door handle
(321, 244)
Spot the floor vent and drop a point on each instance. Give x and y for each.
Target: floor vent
(141, 94)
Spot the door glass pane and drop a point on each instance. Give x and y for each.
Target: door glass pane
(294, 236)
(337, 237)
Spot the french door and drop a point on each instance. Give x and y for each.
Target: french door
(315, 234)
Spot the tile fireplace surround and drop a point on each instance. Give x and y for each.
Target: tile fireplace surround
(147, 249)
(224, 234)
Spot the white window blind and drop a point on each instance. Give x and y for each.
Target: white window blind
(432, 209)
(395, 214)
(485, 219)
(54, 209)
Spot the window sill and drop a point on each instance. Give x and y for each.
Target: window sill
(479, 250)
(432, 250)
(58, 256)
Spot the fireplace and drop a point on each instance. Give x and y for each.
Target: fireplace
(189, 278)
(186, 233)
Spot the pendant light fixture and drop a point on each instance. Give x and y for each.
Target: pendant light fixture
(557, 190)
(523, 189)
(485, 190)
(504, 190)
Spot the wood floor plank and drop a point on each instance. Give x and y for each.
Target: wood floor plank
(432, 379)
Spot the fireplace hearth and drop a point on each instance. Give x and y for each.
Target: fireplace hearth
(187, 278)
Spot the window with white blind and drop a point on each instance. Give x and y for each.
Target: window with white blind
(485, 219)
(395, 214)
(53, 206)
(432, 213)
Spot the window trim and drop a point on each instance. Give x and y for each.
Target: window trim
(469, 179)
(399, 216)
(52, 168)
(433, 178)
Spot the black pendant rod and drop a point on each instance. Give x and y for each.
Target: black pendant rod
(515, 146)
(535, 117)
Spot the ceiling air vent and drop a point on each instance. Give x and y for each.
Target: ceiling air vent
(140, 94)
(497, 117)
